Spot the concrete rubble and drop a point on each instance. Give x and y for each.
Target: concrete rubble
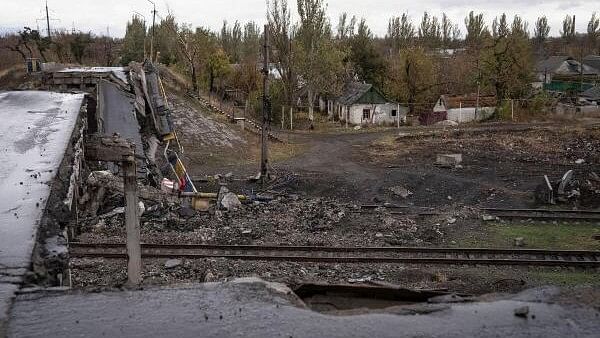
(449, 160)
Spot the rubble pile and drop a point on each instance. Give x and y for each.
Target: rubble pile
(575, 187)
(285, 220)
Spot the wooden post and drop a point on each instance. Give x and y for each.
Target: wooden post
(132, 222)
(460, 112)
(282, 117)
(512, 110)
(347, 115)
(398, 114)
(116, 149)
(291, 118)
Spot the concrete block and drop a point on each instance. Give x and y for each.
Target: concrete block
(449, 160)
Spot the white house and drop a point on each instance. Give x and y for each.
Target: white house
(361, 104)
(466, 108)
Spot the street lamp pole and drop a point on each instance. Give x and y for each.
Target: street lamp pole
(153, 22)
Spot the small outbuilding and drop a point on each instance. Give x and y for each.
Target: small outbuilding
(466, 108)
(362, 104)
(592, 95)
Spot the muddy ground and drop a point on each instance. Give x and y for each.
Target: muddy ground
(320, 180)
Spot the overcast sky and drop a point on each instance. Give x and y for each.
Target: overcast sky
(97, 15)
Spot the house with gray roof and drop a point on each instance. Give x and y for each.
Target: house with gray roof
(592, 61)
(362, 104)
(592, 95)
(563, 68)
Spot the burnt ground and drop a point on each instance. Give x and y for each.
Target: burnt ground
(321, 179)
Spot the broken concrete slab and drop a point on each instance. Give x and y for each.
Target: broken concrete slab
(35, 133)
(230, 201)
(258, 310)
(117, 114)
(172, 263)
(113, 183)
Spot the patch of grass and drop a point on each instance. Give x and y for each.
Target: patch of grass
(566, 278)
(538, 235)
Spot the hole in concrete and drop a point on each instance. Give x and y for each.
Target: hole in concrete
(335, 298)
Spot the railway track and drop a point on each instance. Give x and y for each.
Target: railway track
(545, 214)
(391, 255)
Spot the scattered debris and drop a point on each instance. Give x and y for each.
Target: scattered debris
(115, 211)
(522, 311)
(172, 263)
(401, 191)
(489, 218)
(449, 160)
(229, 201)
(519, 242)
(573, 187)
(186, 212)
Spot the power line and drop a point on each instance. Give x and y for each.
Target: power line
(47, 18)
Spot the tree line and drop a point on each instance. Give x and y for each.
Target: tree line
(415, 62)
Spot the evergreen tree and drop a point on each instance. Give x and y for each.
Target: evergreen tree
(134, 41)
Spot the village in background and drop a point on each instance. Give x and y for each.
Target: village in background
(422, 71)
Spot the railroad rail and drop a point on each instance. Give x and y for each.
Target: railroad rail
(545, 214)
(392, 255)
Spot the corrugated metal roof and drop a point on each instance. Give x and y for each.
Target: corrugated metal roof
(551, 63)
(353, 92)
(592, 61)
(468, 101)
(592, 93)
(565, 65)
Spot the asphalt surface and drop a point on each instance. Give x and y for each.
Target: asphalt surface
(255, 309)
(117, 111)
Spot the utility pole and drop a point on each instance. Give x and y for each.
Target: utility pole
(153, 21)
(266, 111)
(47, 21)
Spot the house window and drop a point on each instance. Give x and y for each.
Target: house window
(366, 114)
(394, 113)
